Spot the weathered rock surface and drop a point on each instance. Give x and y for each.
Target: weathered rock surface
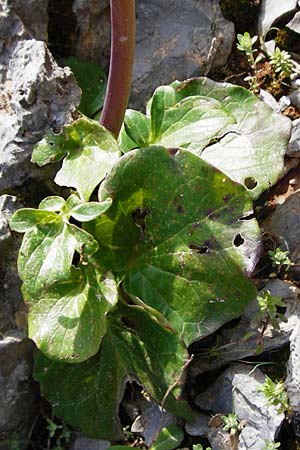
(271, 11)
(293, 148)
(242, 341)
(152, 419)
(294, 24)
(92, 41)
(36, 95)
(177, 40)
(84, 443)
(292, 381)
(199, 427)
(238, 390)
(33, 14)
(10, 284)
(283, 226)
(17, 393)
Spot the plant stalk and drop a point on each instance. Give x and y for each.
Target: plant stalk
(121, 64)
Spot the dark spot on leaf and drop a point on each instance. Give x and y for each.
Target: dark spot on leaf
(173, 151)
(238, 240)
(180, 209)
(227, 198)
(250, 183)
(139, 216)
(212, 215)
(195, 224)
(201, 249)
(51, 143)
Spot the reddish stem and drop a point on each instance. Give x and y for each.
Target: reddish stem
(121, 64)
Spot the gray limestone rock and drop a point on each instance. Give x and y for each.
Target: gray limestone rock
(238, 390)
(292, 381)
(177, 40)
(152, 419)
(84, 443)
(92, 41)
(242, 341)
(33, 14)
(271, 11)
(283, 226)
(12, 316)
(293, 148)
(174, 40)
(17, 391)
(294, 96)
(294, 24)
(36, 95)
(200, 425)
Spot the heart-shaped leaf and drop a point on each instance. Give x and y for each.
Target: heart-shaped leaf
(90, 152)
(225, 125)
(176, 232)
(135, 347)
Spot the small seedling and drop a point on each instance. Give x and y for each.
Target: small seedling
(280, 258)
(245, 44)
(231, 423)
(268, 309)
(281, 61)
(271, 445)
(200, 447)
(276, 395)
(61, 432)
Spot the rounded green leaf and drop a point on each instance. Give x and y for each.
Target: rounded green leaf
(53, 203)
(168, 438)
(181, 235)
(27, 218)
(89, 211)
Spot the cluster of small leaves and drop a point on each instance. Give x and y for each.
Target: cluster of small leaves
(281, 60)
(280, 258)
(268, 312)
(61, 433)
(200, 447)
(275, 393)
(120, 287)
(246, 45)
(231, 423)
(271, 445)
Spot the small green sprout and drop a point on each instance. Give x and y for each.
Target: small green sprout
(245, 44)
(268, 309)
(280, 258)
(200, 447)
(271, 445)
(281, 61)
(275, 393)
(231, 423)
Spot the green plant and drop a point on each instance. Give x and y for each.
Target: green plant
(268, 309)
(60, 433)
(275, 394)
(118, 288)
(246, 45)
(200, 447)
(281, 60)
(271, 445)
(280, 258)
(231, 423)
